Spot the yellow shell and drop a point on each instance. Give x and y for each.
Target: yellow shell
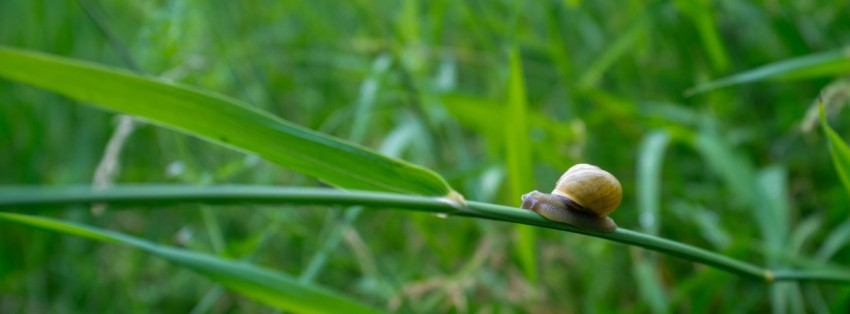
(591, 187)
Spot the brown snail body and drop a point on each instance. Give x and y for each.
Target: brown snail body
(583, 197)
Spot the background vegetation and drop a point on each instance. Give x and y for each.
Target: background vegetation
(742, 170)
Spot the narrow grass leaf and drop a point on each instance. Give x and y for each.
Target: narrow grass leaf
(649, 166)
(835, 62)
(264, 285)
(702, 14)
(366, 99)
(146, 195)
(710, 227)
(222, 120)
(771, 211)
(836, 240)
(652, 289)
(515, 124)
(735, 170)
(838, 149)
(804, 232)
(650, 161)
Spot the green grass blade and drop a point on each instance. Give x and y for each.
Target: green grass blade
(703, 16)
(137, 195)
(838, 149)
(649, 167)
(221, 120)
(771, 211)
(650, 162)
(519, 166)
(652, 288)
(834, 241)
(836, 62)
(737, 172)
(264, 285)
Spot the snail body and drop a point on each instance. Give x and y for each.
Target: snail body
(583, 197)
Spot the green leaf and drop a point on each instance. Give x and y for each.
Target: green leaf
(834, 241)
(222, 120)
(838, 149)
(652, 289)
(703, 15)
(264, 285)
(736, 170)
(650, 162)
(830, 63)
(771, 211)
(649, 166)
(518, 159)
(139, 195)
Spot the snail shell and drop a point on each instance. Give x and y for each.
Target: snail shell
(591, 187)
(583, 197)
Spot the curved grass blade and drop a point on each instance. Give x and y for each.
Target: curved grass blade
(264, 285)
(222, 120)
(838, 149)
(836, 62)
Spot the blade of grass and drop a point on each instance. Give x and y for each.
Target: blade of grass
(736, 171)
(136, 195)
(646, 270)
(518, 159)
(702, 14)
(649, 166)
(367, 97)
(222, 120)
(838, 150)
(837, 238)
(835, 62)
(652, 290)
(803, 232)
(771, 211)
(264, 285)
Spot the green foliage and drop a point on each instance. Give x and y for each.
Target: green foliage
(267, 286)
(737, 170)
(223, 121)
(828, 64)
(838, 150)
(518, 159)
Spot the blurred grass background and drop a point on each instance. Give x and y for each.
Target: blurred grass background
(498, 97)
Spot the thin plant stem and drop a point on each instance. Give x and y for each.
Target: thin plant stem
(16, 197)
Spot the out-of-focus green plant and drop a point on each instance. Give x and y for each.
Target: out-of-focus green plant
(212, 118)
(474, 95)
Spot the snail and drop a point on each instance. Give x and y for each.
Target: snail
(583, 197)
